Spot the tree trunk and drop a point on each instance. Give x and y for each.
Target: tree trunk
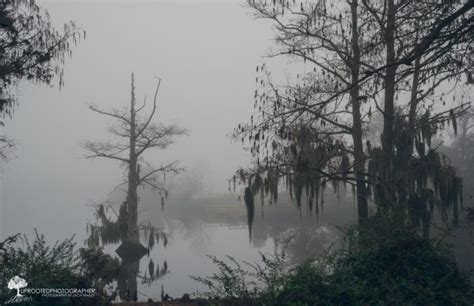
(132, 198)
(359, 157)
(389, 97)
(404, 192)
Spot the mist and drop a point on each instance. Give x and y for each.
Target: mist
(179, 145)
(206, 58)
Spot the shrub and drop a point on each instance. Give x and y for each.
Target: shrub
(58, 266)
(259, 284)
(381, 263)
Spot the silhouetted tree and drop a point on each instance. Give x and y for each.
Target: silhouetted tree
(30, 48)
(357, 54)
(408, 175)
(316, 123)
(137, 134)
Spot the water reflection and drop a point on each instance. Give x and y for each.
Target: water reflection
(250, 207)
(130, 255)
(108, 230)
(199, 224)
(222, 225)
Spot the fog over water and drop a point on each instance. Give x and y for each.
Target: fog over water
(208, 68)
(206, 53)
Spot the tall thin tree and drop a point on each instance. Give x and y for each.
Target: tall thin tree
(136, 135)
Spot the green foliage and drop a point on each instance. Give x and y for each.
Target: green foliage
(43, 265)
(248, 284)
(380, 263)
(305, 286)
(385, 263)
(230, 282)
(98, 267)
(59, 266)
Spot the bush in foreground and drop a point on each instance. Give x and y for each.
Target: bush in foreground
(58, 266)
(375, 266)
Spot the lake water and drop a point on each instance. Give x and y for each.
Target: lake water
(199, 225)
(218, 226)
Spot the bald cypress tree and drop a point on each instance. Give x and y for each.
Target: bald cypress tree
(136, 134)
(356, 59)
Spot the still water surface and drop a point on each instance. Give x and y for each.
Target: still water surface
(198, 225)
(219, 226)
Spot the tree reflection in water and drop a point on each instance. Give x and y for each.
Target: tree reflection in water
(110, 232)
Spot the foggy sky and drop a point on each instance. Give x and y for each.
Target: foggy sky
(205, 52)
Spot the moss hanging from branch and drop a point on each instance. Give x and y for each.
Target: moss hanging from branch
(423, 179)
(301, 157)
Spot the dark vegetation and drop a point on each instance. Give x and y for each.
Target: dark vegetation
(403, 62)
(310, 133)
(379, 267)
(31, 49)
(61, 265)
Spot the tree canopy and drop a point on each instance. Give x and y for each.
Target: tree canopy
(355, 61)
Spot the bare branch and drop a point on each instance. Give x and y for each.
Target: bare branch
(114, 113)
(150, 117)
(104, 150)
(158, 136)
